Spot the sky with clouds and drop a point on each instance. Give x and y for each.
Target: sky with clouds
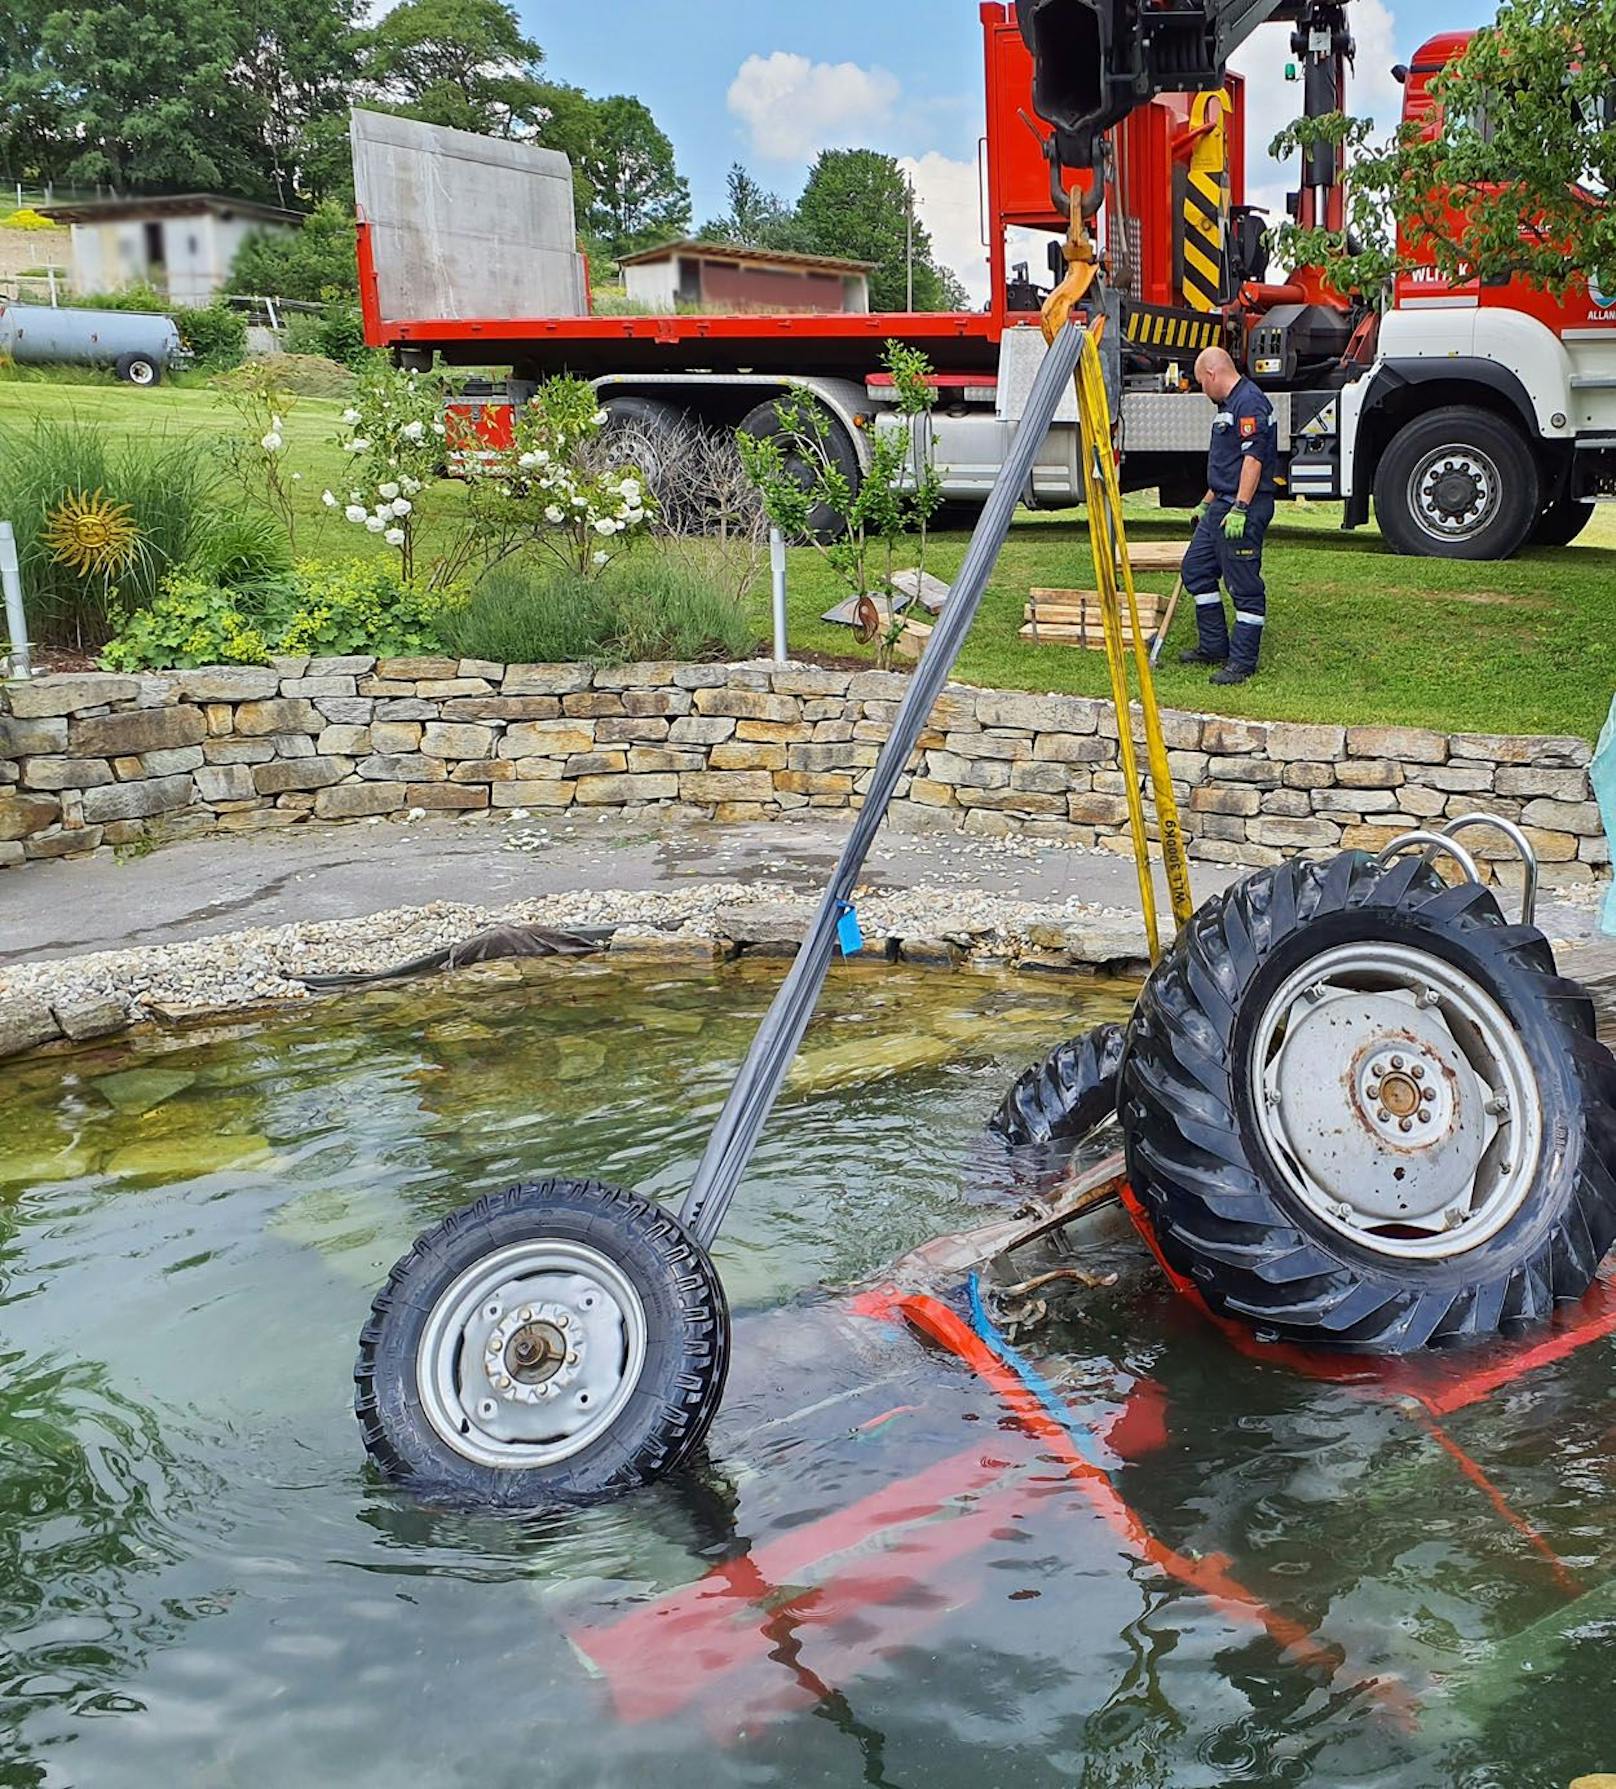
(771, 85)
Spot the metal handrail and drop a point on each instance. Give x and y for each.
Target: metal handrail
(1521, 843)
(1432, 842)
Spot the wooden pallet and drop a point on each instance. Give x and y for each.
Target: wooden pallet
(1157, 555)
(1075, 618)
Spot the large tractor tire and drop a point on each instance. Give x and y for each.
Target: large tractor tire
(1362, 1109)
(556, 1342)
(1067, 1096)
(1459, 483)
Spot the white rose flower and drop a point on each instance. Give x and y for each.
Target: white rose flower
(275, 424)
(297, 478)
(580, 503)
(540, 457)
(402, 506)
(271, 443)
(328, 498)
(602, 558)
(555, 513)
(635, 517)
(605, 526)
(394, 537)
(355, 512)
(413, 431)
(375, 524)
(350, 416)
(439, 429)
(527, 461)
(409, 486)
(630, 488)
(387, 492)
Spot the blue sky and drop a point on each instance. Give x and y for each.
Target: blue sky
(771, 84)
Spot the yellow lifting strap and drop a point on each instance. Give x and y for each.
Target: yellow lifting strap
(1114, 580)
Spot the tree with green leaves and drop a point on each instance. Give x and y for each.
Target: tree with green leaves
(35, 139)
(857, 205)
(316, 264)
(150, 99)
(462, 63)
(1512, 180)
(301, 60)
(756, 217)
(637, 196)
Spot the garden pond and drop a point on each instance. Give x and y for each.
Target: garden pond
(875, 1574)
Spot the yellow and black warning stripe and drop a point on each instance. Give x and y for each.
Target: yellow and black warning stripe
(1206, 204)
(1151, 326)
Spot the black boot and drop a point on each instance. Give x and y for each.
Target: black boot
(1198, 656)
(1232, 674)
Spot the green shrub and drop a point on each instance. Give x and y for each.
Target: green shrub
(326, 610)
(215, 333)
(312, 263)
(162, 492)
(194, 621)
(362, 606)
(645, 607)
(336, 333)
(239, 547)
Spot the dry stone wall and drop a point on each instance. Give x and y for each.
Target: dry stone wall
(97, 762)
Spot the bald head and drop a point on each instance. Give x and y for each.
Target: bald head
(1216, 374)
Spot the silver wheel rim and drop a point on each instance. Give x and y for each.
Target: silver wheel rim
(532, 1353)
(141, 372)
(1398, 1101)
(1455, 492)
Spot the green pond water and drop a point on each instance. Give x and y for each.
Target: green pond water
(874, 1575)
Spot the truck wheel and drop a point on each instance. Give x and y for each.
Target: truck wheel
(558, 1341)
(1457, 484)
(1561, 522)
(1361, 1109)
(823, 521)
(1068, 1095)
(653, 435)
(138, 369)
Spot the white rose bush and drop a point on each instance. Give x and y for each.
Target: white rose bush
(395, 436)
(564, 483)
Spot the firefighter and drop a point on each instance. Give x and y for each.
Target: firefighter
(1231, 522)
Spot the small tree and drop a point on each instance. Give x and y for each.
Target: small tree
(394, 433)
(900, 492)
(258, 456)
(1513, 181)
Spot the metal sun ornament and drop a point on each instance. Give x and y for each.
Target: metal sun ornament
(91, 534)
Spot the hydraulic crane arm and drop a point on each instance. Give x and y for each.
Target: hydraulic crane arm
(1095, 61)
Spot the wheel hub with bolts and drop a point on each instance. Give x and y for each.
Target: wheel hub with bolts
(1397, 1100)
(531, 1355)
(1456, 491)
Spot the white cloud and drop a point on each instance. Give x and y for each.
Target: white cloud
(947, 203)
(793, 108)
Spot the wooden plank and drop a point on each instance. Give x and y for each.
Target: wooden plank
(1082, 612)
(1157, 555)
(1092, 638)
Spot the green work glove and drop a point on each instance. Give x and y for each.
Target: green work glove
(1234, 525)
(1197, 515)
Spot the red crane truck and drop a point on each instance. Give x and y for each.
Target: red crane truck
(1478, 419)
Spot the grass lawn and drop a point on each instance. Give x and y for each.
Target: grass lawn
(1355, 633)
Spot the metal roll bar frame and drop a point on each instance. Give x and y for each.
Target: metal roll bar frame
(1445, 842)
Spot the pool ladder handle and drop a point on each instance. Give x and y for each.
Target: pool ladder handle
(1446, 843)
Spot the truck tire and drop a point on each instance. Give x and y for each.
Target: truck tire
(138, 369)
(556, 1342)
(1459, 483)
(1067, 1096)
(1362, 1110)
(823, 522)
(651, 433)
(1561, 523)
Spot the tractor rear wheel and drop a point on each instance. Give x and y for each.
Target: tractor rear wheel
(1362, 1109)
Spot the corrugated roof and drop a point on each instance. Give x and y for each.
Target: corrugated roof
(759, 257)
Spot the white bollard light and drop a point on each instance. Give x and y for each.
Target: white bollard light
(16, 621)
(777, 564)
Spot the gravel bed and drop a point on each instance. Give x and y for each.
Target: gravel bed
(246, 968)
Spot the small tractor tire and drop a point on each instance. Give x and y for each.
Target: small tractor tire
(554, 1343)
(1067, 1096)
(138, 369)
(1363, 1110)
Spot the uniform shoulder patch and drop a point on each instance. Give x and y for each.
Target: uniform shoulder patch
(1248, 427)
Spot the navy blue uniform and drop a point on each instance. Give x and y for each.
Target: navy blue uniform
(1243, 429)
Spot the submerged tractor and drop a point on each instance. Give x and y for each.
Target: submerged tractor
(1359, 1107)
